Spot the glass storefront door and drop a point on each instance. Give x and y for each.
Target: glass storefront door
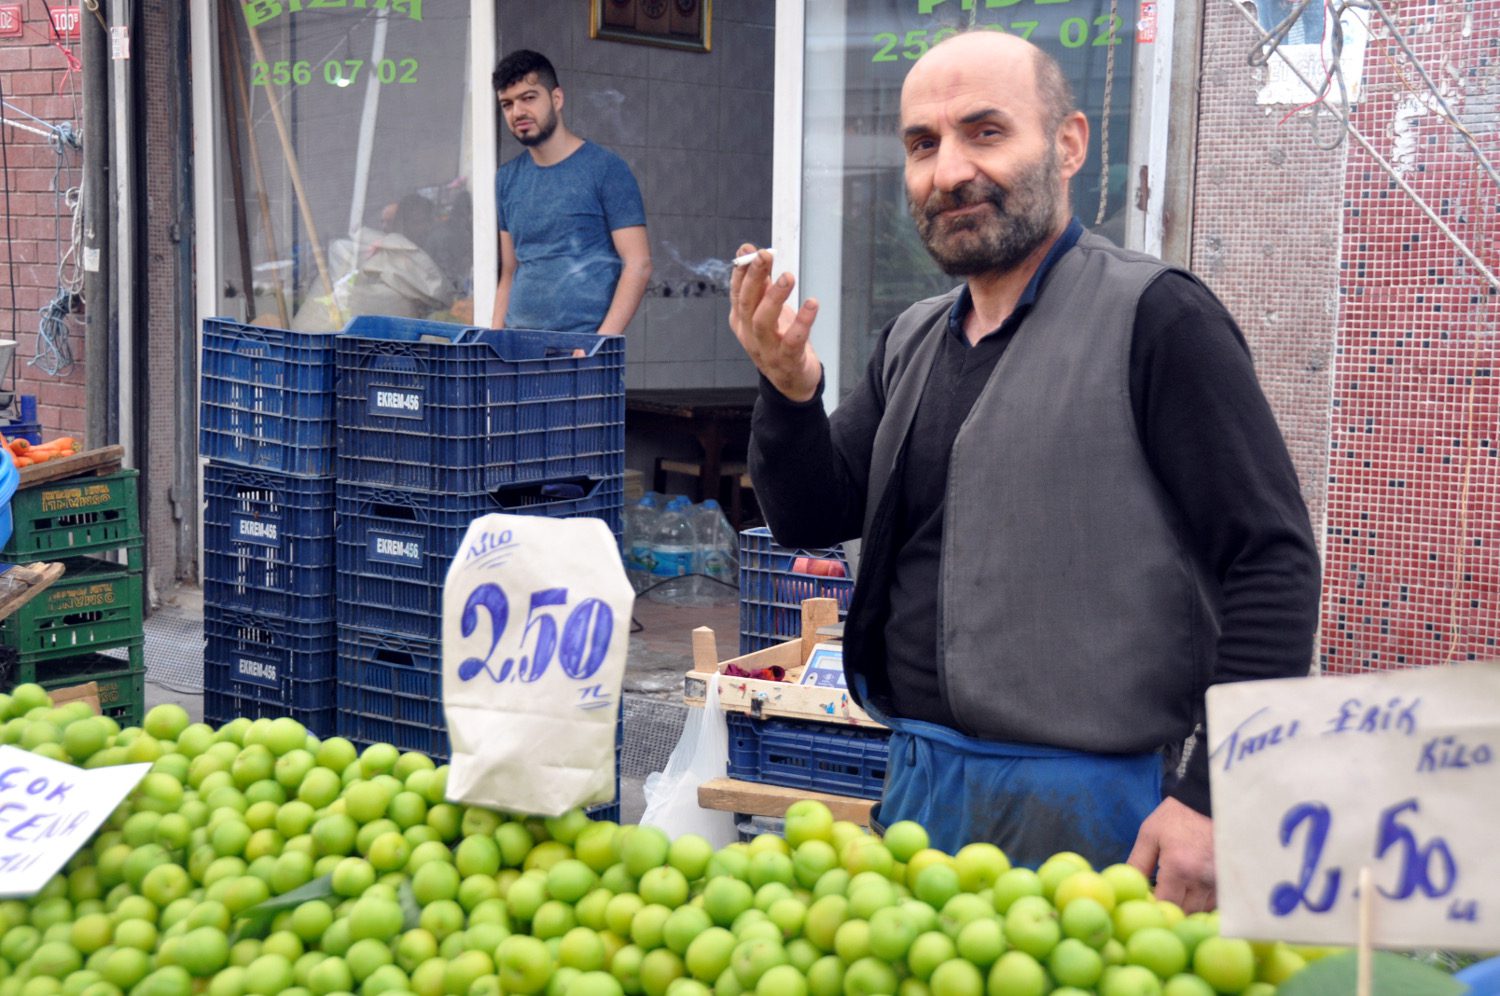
(860, 253)
(344, 160)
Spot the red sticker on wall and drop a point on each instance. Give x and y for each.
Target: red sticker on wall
(66, 22)
(1145, 28)
(11, 24)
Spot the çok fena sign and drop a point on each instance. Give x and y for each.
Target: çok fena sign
(48, 810)
(1316, 778)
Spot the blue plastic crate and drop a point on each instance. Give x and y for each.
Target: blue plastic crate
(269, 660)
(452, 409)
(268, 543)
(824, 757)
(267, 398)
(29, 431)
(394, 547)
(772, 592)
(222, 707)
(267, 667)
(391, 691)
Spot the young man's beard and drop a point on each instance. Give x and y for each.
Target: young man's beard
(544, 129)
(991, 241)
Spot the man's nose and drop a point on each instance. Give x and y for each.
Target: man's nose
(953, 168)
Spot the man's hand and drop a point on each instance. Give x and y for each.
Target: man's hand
(1176, 845)
(772, 332)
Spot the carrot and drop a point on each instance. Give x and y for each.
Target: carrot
(24, 462)
(19, 445)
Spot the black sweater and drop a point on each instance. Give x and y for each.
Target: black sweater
(1207, 432)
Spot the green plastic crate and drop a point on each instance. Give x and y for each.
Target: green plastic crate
(75, 516)
(95, 603)
(122, 683)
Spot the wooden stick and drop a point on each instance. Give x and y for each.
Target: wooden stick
(260, 176)
(290, 154)
(1366, 914)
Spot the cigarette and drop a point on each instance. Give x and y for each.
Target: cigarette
(750, 257)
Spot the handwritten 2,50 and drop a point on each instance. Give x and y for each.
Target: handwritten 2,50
(580, 646)
(1414, 864)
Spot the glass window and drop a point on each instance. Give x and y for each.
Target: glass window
(345, 161)
(860, 252)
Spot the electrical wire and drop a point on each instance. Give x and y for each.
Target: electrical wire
(636, 626)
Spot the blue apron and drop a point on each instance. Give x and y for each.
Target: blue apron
(1030, 801)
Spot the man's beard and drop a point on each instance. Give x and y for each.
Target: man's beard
(997, 241)
(544, 129)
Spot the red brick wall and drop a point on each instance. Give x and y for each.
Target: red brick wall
(34, 75)
(1374, 341)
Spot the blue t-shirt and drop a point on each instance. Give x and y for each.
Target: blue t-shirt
(560, 218)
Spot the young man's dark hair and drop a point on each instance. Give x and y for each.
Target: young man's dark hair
(520, 64)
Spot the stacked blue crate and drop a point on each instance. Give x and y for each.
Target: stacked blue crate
(267, 428)
(438, 425)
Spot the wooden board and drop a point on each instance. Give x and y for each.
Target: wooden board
(104, 460)
(734, 796)
(23, 582)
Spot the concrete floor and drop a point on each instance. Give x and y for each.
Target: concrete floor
(660, 652)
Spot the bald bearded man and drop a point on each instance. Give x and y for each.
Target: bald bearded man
(1076, 507)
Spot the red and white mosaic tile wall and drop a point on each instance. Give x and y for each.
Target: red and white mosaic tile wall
(1412, 557)
(1384, 338)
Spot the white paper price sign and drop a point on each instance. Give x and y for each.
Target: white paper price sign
(536, 625)
(1316, 778)
(48, 810)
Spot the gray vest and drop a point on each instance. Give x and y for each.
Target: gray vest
(1070, 611)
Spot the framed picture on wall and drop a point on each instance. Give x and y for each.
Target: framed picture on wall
(682, 24)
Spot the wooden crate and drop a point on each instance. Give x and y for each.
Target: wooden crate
(782, 699)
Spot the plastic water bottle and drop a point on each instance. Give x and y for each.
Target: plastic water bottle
(718, 556)
(674, 548)
(640, 541)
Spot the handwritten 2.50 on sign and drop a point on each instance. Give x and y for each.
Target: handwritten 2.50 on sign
(1315, 778)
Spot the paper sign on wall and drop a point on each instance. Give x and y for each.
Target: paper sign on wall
(1314, 778)
(48, 810)
(536, 625)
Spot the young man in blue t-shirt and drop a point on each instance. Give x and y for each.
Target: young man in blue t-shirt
(573, 250)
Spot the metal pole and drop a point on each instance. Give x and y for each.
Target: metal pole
(125, 243)
(98, 261)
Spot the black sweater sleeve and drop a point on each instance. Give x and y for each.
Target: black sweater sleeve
(812, 470)
(1213, 442)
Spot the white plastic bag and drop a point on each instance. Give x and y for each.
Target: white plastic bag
(701, 753)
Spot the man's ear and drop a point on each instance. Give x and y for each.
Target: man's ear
(1072, 143)
(557, 98)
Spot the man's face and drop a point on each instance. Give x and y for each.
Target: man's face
(983, 178)
(530, 110)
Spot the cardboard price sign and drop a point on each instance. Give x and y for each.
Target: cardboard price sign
(1316, 778)
(48, 810)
